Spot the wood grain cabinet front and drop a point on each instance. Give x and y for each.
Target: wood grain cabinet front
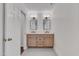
(40, 40)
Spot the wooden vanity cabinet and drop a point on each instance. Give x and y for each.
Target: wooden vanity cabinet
(40, 40)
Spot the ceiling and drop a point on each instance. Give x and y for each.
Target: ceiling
(39, 6)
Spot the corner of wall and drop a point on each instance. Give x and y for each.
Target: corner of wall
(57, 51)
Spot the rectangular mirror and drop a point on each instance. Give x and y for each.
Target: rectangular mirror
(33, 24)
(46, 24)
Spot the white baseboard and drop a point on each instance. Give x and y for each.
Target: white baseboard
(57, 52)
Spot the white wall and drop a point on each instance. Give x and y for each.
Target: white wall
(1, 28)
(66, 29)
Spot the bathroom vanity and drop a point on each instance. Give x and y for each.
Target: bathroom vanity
(40, 40)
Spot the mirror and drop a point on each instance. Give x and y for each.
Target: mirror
(46, 24)
(33, 24)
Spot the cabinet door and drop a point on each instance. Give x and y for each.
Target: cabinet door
(31, 41)
(39, 41)
(48, 41)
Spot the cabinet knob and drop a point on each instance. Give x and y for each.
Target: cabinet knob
(39, 39)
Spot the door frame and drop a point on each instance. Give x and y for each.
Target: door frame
(22, 26)
(3, 25)
(3, 30)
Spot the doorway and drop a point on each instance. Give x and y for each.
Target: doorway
(13, 34)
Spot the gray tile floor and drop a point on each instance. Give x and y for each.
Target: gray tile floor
(39, 52)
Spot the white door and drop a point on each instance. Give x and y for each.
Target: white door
(12, 30)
